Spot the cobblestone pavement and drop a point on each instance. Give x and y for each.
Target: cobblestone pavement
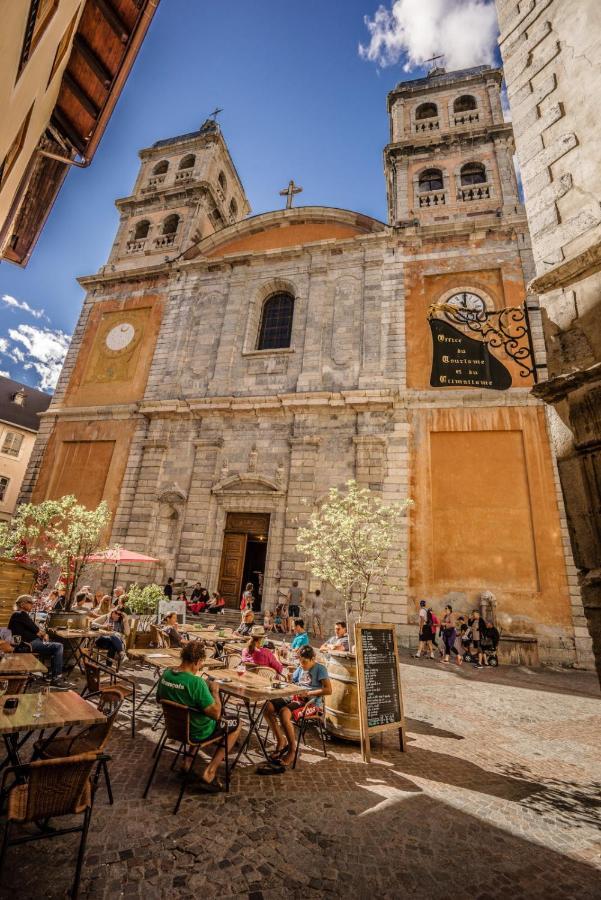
(498, 795)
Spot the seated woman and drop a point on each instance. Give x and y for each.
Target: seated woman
(170, 627)
(257, 655)
(216, 603)
(314, 683)
(182, 685)
(117, 622)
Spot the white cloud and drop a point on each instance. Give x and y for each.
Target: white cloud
(3, 345)
(22, 304)
(465, 31)
(5, 374)
(45, 351)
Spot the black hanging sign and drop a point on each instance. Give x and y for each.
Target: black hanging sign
(379, 683)
(461, 361)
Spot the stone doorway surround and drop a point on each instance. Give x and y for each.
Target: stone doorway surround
(240, 529)
(251, 494)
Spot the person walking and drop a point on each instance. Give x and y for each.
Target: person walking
(296, 598)
(425, 631)
(449, 635)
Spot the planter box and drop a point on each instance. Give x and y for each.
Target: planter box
(518, 650)
(15, 579)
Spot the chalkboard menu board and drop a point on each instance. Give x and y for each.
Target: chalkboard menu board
(378, 676)
(461, 361)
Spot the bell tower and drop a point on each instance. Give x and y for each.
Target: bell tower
(187, 188)
(450, 156)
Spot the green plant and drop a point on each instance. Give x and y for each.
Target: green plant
(60, 532)
(349, 542)
(144, 601)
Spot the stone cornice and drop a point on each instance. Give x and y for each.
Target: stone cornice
(356, 400)
(586, 263)
(556, 389)
(126, 411)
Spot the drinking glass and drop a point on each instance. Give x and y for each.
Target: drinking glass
(16, 640)
(42, 694)
(3, 687)
(69, 624)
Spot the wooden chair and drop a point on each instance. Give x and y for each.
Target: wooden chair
(265, 672)
(177, 730)
(304, 721)
(158, 637)
(17, 684)
(93, 738)
(99, 677)
(46, 789)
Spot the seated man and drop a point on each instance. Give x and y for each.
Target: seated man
(6, 638)
(301, 638)
(184, 686)
(314, 683)
(33, 638)
(246, 625)
(339, 640)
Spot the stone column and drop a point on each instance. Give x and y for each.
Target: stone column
(304, 456)
(193, 553)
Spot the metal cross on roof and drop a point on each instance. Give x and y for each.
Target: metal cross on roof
(289, 193)
(215, 113)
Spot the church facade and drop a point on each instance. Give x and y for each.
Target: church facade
(228, 369)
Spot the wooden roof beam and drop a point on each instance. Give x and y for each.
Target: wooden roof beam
(80, 95)
(93, 61)
(68, 129)
(113, 19)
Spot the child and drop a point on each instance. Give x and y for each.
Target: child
(268, 621)
(478, 633)
(316, 623)
(278, 621)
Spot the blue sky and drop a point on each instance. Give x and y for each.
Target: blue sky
(299, 102)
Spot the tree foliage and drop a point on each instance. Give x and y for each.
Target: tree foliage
(145, 601)
(349, 541)
(61, 533)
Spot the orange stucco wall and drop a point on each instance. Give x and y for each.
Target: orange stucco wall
(287, 236)
(486, 514)
(101, 377)
(86, 459)
(427, 280)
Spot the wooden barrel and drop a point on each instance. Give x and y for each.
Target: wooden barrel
(342, 706)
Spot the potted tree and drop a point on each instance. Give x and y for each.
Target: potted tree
(61, 534)
(144, 605)
(349, 543)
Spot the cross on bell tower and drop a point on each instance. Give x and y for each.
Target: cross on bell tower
(289, 192)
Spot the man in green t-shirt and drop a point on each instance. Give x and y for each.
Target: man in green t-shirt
(185, 686)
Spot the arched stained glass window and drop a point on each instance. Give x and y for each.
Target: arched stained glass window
(276, 322)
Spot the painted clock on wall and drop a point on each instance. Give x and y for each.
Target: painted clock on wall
(120, 337)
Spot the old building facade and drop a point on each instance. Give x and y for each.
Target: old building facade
(227, 370)
(552, 54)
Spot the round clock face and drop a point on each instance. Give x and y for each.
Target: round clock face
(466, 302)
(120, 336)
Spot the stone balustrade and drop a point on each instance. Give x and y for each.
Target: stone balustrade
(432, 198)
(467, 118)
(135, 246)
(425, 125)
(164, 240)
(475, 192)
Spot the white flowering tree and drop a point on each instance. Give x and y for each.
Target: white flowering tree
(349, 542)
(61, 533)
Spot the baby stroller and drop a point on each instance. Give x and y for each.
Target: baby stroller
(488, 645)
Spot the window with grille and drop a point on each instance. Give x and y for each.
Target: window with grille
(276, 322)
(12, 443)
(4, 482)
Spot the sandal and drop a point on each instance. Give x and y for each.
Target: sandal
(277, 754)
(210, 787)
(273, 769)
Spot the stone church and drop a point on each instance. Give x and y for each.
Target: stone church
(227, 369)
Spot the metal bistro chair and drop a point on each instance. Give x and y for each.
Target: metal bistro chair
(93, 738)
(177, 730)
(46, 789)
(158, 637)
(302, 723)
(99, 677)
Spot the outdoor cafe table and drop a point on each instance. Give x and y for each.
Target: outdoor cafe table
(255, 692)
(21, 664)
(60, 709)
(75, 639)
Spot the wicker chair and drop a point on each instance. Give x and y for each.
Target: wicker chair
(233, 660)
(265, 672)
(99, 677)
(93, 738)
(177, 730)
(43, 790)
(302, 723)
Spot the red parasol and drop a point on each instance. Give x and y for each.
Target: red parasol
(120, 556)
